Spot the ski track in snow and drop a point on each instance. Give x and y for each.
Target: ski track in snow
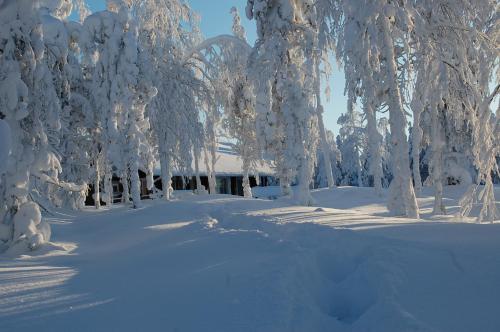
(221, 263)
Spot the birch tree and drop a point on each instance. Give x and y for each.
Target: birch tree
(168, 29)
(459, 44)
(283, 66)
(30, 111)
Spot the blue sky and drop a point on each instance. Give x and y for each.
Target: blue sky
(216, 20)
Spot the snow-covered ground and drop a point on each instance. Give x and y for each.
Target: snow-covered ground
(222, 263)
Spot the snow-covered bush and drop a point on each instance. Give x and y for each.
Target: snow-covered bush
(29, 227)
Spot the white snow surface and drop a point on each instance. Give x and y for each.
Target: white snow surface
(224, 263)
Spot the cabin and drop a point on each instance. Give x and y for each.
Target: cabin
(228, 175)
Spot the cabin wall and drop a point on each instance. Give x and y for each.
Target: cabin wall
(230, 185)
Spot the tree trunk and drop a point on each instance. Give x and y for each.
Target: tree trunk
(97, 193)
(247, 190)
(299, 117)
(211, 182)
(437, 161)
(125, 194)
(199, 187)
(285, 187)
(417, 134)
(302, 193)
(108, 185)
(374, 142)
(135, 184)
(402, 200)
(150, 180)
(359, 169)
(284, 177)
(213, 159)
(166, 175)
(322, 132)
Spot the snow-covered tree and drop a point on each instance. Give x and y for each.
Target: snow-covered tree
(374, 38)
(395, 27)
(418, 101)
(357, 49)
(70, 136)
(351, 143)
(30, 108)
(239, 103)
(320, 174)
(121, 90)
(283, 67)
(78, 131)
(240, 124)
(386, 148)
(458, 56)
(100, 44)
(168, 30)
(327, 13)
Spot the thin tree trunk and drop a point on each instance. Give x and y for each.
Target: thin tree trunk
(211, 184)
(402, 199)
(108, 185)
(97, 195)
(199, 189)
(374, 142)
(135, 184)
(416, 142)
(437, 162)
(247, 190)
(213, 152)
(150, 178)
(322, 132)
(124, 180)
(166, 175)
(359, 169)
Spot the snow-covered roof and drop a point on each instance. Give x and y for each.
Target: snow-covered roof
(228, 163)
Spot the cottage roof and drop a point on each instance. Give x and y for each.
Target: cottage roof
(228, 163)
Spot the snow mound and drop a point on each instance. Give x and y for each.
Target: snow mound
(29, 229)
